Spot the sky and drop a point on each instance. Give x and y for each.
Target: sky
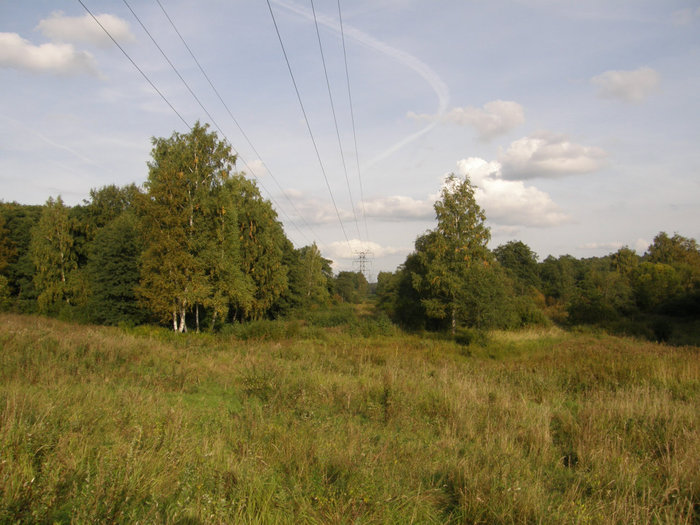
(577, 122)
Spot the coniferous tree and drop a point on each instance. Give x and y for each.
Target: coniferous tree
(113, 272)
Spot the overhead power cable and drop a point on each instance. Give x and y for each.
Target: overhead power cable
(352, 118)
(235, 121)
(191, 92)
(308, 125)
(223, 134)
(134, 64)
(335, 120)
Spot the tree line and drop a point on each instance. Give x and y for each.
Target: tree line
(197, 246)
(453, 282)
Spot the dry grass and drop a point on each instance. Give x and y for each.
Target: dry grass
(101, 425)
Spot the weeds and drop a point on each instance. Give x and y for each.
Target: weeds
(298, 422)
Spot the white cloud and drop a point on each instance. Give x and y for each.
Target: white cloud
(630, 86)
(642, 245)
(612, 246)
(349, 250)
(507, 202)
(548, 155)
(399, 208)
(255, 167)
(317, 211)
(83, 29)
(497, 117)
(18, 53)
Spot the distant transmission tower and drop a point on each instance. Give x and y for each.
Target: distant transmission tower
(363, 264)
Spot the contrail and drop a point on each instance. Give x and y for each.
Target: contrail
(50, 142)
(414, 63)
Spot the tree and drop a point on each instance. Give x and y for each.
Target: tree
(189, 225)
(262, 246)
(113, 272)
(682, 253)
(352, 287)
(458, 284)
(20, 221)
(53, 256)
(520, 261)
(309, 273)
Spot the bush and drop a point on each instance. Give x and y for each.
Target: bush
(471, 336)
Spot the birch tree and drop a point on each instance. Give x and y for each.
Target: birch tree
(455, 257)
(190, 248)
(51, 251)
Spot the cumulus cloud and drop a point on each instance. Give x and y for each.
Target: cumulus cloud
(497, 117)
(18, 53)
(630, 86)
(507, 202)
(548, 155)
(83, 29)
(349, 250)
(399, 208)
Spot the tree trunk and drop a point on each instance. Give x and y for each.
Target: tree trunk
(454, 320)
(175, 320)
(196, 316)
(183, 322)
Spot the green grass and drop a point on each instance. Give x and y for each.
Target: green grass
(343, 425)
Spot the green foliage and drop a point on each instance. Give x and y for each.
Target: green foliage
(460, 285)
(262, 245)
(53, 255)
(113, 272)
(352, 287)
(520, 261)
(655, 284)
(310, 278)
(19, 222)
(189, 217)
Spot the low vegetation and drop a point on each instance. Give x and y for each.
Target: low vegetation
(343, 420)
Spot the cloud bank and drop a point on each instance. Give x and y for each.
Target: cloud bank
(629, 86)
(496, 118)
(548, 155)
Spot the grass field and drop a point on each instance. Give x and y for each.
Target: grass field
(330, 425)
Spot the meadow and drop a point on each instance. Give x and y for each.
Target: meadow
(299, 422)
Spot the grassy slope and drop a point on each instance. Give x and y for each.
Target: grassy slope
(101, 425)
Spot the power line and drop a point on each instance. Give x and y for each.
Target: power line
(335, 120)
(308, 126)
(134, 64)
(189, 89)
(352, 118)
(210, 117)
(243, 133)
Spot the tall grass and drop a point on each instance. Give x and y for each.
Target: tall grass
(321, 425)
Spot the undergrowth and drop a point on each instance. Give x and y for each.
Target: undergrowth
(313, 421)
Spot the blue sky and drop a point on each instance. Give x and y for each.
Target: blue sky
(579, 122)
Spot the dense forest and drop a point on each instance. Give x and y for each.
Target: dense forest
(198, 247)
